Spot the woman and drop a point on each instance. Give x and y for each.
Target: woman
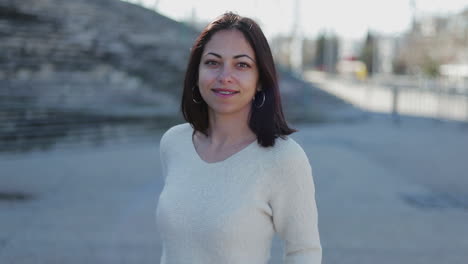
(232, 176)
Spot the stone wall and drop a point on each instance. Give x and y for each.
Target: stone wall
(66, 65)
(84, 34)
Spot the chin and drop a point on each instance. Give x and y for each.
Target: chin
(229, 110)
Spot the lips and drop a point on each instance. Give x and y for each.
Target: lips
(224, 92)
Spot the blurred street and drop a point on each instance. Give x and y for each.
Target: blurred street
(386, 194)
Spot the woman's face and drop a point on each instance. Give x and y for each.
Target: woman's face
(228, 74)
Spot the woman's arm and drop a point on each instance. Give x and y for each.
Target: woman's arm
(294, 208)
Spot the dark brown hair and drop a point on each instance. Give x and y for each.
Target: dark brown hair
(268, 121)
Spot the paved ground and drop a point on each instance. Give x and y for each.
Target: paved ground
(391, 194)
(386, 193)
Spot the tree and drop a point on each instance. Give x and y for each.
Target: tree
(320, 52)
(326, 55)
(368, 53)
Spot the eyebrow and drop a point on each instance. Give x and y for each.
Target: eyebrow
(235, 57)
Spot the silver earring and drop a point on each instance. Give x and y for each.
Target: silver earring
(193, 97)
(263, 99)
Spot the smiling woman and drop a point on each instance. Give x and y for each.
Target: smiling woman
(233, 53)
(232, 175)
(228, 75)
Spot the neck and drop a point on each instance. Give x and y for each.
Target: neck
(229, 129)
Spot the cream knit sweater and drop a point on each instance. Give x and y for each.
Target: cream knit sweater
(227, 212)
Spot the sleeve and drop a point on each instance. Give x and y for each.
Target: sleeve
(294, 209)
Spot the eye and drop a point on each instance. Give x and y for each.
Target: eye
(243, 65)
(211, 62)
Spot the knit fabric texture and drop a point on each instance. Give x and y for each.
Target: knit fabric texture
(228, 211)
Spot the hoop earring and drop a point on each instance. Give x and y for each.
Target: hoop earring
(263, 100)
(193, 97)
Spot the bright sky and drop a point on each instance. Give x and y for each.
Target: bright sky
(350, 19)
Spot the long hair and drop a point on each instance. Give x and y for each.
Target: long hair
(268, 121)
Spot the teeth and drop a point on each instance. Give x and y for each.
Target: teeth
(225, 92)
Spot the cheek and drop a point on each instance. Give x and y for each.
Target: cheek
(250, 80)
(205, 77)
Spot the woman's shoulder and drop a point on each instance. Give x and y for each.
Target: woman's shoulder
(287, 163)
(178, 129)
(286, 148)
(174, 133)
(285, 152)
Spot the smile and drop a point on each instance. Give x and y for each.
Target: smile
(224, 92)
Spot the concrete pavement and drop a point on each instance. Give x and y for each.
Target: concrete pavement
(382, 191)
(380, 194)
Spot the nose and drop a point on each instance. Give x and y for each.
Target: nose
(225, 75)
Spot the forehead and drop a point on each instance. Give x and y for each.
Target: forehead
(229, 43)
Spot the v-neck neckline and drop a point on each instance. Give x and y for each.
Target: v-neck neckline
(229, 158)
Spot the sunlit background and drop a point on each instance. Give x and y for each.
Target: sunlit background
(424, 40)
(377, 89)
(390, 23)
(348, 19)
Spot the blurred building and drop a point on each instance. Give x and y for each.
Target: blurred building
(382, 53)
(434, 41)
(282, 47)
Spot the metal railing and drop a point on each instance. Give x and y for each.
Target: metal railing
(434, 98)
